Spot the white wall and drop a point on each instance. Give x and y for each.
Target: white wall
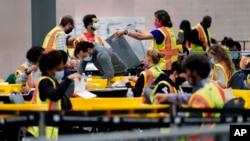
(230, 17)
(15, 34)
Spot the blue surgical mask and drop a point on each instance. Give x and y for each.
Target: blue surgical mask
(212, 61)
(59, 75)
(87, 59)
(234, 55)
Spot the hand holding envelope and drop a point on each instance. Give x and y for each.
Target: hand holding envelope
(80, 89)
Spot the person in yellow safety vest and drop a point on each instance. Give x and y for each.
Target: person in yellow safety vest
(201, 37)
(48, 91)
(163, 38)
(223, 66)
(148, 76)
(91, 24)
(171, 84)
(206, 94)
(184, 39)
(56, 38)
(240, 61)
(24, 74)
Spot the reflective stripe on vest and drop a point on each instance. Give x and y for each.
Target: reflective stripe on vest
(36, 97)
(84, 38)
(243, 62)
(51, 132)
(172, 89)
(168, 45)
(202, 37)
(50, 39)
(203, 99)
(150, 75)
(21, 69)
(226, 73)
(201, 33)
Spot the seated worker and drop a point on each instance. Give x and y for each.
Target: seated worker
(172, 84)
(197, 68)
(240, 61)
(205, 94)
(24, 74)
(106, 61)
(223, 66)
(49, 91)
(147, 76)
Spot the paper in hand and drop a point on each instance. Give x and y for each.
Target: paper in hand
(80, 89)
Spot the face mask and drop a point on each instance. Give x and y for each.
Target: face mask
(212, 61)
(96, 26)
(87, 59)
(235, 55)
(179, 81)
(157, 24)
(68, 31)
(59, 75)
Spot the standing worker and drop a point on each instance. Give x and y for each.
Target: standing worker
(56, 38)
(201, 37)
(184, 38)
(106, 61)
(163, 38)
(91, 24)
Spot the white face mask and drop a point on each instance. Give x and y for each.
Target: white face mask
(96, 26)
(59, 75)
(212, 61)
(87, 59)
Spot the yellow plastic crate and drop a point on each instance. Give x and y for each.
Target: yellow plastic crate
(119, 78)
(241, 93)
(97, 84)
(94, 77)
(8, 88)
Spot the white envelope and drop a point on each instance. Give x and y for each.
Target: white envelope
(80, 90)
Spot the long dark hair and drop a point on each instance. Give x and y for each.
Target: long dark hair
(164, 17)
(186, 27)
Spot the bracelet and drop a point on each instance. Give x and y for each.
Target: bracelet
(125, 32)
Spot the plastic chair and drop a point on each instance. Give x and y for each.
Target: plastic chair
(237, 77)
(17, 98)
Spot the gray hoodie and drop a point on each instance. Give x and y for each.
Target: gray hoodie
(106, 61)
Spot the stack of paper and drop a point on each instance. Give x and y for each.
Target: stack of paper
(80, 89)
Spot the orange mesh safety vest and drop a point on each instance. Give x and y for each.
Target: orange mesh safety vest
(168, 46)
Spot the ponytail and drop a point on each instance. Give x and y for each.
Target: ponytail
(155, 55)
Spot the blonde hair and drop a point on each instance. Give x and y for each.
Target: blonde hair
(222, 55)
(155, 55)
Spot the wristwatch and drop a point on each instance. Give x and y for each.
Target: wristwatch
(125, 32)
(26, 72)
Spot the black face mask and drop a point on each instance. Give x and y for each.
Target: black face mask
(68, 31)
(179, 81)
